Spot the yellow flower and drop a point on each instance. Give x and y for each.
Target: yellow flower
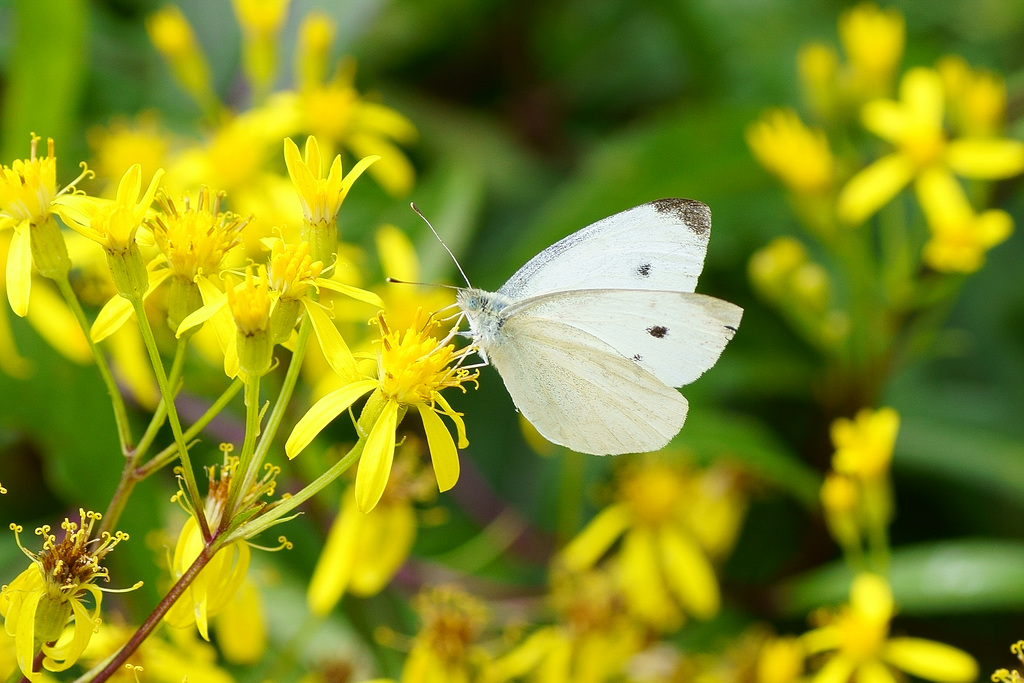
(818, 66)
(781, 661)
(48, 596)
(261, 22)
(784, 274)
(164, 657)
(864, 445)
(363, 551)
(858, 636)
(123, 143)
(873, 41)
(27, 190)
(336, 114)
(798, 155)
(212, 590)
(960, 238)
(592, 641)
(241, 626)
(293, 281)
(173, 37)
(914, 124)
(976, 99)
(444, 650)
(670, 521)
(320, 196)
(412, 370)
(316, 35)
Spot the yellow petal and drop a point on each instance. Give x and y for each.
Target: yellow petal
(11, 362)
(112, 316)
(241, 627)
(986, 158)
(24, 636)
(322, 412)
(942, 198)
(55, 322)
(204, 312)
(689, 574)
(350, 291)
(397, 255)
(525, 657)
(336, 351)
(873, 671)
(386, 121)
(930, 660)
(886, 119)
(337, 559)
(19, 270)
(64, 657)
(993, 227)
(641, 581)
(595, 539)
(443, 453)
(921, 92)
(821, 639)
(393, 171)
(384, 544)
(375, 462)
(869, 190)
(836, 670)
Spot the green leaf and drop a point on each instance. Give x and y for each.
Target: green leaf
(982, 459)
(731, 436)
(947, 577)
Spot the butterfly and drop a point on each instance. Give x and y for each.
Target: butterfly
(594, 333)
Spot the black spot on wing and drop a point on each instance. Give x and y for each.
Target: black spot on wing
(696, 215)
(637, 357)
(644, 270)
(657, 331)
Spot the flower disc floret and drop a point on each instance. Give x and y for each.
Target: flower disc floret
(293, 272)
(195, 239)
(28, 186)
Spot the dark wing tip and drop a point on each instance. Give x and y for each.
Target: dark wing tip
(696, 215)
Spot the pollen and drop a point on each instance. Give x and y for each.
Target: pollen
(292, 270)
(195, 238)
(414, 366)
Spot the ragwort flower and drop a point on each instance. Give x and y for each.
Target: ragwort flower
(48, 596)
(27, 190)
(671, 522)
(914, 124)
(858, 637)
(413, 367)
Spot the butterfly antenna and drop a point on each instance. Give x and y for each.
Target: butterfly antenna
(396, 281)
(420, 214)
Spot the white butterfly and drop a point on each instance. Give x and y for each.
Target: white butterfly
(593, 333)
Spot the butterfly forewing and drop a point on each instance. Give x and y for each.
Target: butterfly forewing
(655, 246)
(676, 336)
(581, 393)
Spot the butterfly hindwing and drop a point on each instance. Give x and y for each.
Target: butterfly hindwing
(655, 246)
(581, 393)
(675, 336)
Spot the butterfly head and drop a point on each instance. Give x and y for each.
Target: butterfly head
(483, 310)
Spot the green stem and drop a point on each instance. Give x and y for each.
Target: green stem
(124, 430)
(252, 428)
(172, 414)
(280, 406)
(112, 664)
(283, 506)
(160, 414)
(167, 455)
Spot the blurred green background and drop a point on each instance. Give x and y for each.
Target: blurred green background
(537, 118)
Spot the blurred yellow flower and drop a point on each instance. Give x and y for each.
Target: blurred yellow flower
(858, 637)
(960, 238)
(781, 660)
(412, 370)
(316, 35)
(241, 627)
(864, 444)
(164, 657)
(976, 99)
(671, 520)
(798, 155)
(914, 124)
(173, 37)
(261, 22)
(364, 550)
(873, 41)
(445, 650)
(591, 643)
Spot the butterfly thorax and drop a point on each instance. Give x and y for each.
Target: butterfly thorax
(485, 313)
